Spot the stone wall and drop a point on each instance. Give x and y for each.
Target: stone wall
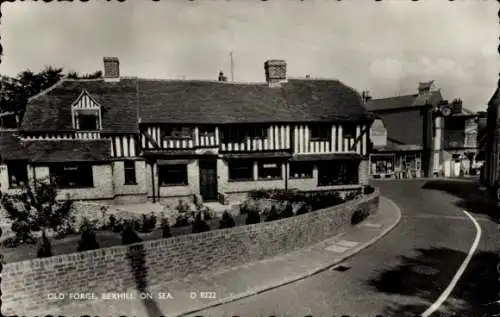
(26, 285)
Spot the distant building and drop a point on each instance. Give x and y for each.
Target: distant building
(421, 135)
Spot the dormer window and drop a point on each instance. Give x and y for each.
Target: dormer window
(88, 122)
(86, 113)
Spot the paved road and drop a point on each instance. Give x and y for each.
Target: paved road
(406, 271)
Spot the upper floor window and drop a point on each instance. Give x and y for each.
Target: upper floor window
(88, 122)
(320, 132)
(207, 130)
(240, 133)
(179, 132)
(349, 131)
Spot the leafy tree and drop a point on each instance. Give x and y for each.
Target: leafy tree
(94, 75)
(15, 92)
(226, 221)
(35, 209)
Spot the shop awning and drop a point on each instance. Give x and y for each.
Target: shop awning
(326, 157)
(257, 155)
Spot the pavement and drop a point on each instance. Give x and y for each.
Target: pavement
(197, 293)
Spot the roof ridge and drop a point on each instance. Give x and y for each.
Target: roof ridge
(400, 96)
(201, 81)
(47, 90)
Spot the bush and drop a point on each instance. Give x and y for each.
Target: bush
(129, 235)
(117, 226)
(199, 225)
(252, 216)
(165, 228)
(136, 224)
(287, 210)
(112, 222)
(88, 240)
(181, 221)
(148, 223)
(45, 248)
(304, 209)
(226, 221)
(367, 190)
(22, 231)
(182, 207)
(11, 242)
(272, 214)
(358, 216)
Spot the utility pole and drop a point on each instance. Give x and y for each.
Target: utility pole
(232, 68)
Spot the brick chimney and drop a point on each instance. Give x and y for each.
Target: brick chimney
(111, 69)
(275, 71)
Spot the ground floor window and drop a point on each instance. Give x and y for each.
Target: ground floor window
(240, 170)
(338, 173)
(72, 175)
(129, 172)
(172, 175)
(18, 174)
(382, 165)
(269, 169)
(301, 169)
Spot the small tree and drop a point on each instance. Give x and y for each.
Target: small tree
(226, 221)
(253, 216)
(165, 228)
(199, 225)
(129, 235)
(88, 239)
(45, 248)
(287, 211)
(35, 209)
(273, 214)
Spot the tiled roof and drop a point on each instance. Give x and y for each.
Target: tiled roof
(196, 102)
(9, 143)
(59, 151)
(405, 101)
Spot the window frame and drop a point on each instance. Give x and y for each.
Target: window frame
(84, 176)
(320, 132)
(15, 169)
(233, 166)
(129, 180)
(349, 131)
(161, 174)
(178, 132)
(260, 168)
(302, 164)
(81, 116)
(341, 172)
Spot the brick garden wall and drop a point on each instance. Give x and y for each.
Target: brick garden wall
(26, 285)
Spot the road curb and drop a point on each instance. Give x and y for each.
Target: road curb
(269, 287)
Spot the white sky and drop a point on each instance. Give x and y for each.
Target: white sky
(386, 47)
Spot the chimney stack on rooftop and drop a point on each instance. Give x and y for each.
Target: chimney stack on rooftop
(275, 71)
(365, 95)
(111, 69)
(222, 77)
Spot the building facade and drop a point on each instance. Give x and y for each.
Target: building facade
(422, 135)
(132, 140)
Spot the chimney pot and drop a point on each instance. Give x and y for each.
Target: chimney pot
(275, 71)
(111, 69)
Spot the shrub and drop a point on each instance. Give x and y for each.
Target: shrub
(226, 221)
(129, 235)
(11, 242)
(351, 196)
(272, 214)
(287, 210)
(199, 225)
(136, 224)
(303, 209)
(45, 248)
(252, 216)
(148, 223)
(118, 226)
(182, 206)
(165, 228)
(181, 221)
(112, 222)
(22, 230)
(359, 215)
(88, 239)
(367, 190)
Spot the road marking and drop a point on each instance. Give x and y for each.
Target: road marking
(442, 298)
(371, 225)
(336, 248)
(347, 244)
